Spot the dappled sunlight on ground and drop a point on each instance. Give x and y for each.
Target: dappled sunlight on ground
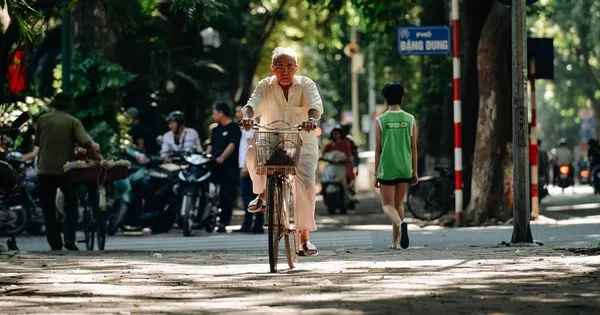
(470, 280)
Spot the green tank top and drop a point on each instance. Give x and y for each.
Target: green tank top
(396, 152)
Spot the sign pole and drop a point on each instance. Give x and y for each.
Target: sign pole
(533, 152)
(458, 189)
(521, 230)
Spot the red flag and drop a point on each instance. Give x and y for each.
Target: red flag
(16, 71)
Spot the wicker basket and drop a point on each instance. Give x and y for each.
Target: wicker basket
(277, 153)
(96, 174)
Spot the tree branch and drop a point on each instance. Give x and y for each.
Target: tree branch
(588, 67)
(271, 23)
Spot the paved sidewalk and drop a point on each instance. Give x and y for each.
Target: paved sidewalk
(414, 281)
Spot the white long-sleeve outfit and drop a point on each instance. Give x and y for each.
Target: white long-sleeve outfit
(269, 104)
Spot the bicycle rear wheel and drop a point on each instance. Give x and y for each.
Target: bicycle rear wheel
(429, 200)
(274, 203)
(101, 231)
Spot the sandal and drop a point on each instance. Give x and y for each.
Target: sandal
(256, 205)
(308, 249)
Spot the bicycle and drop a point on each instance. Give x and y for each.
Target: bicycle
(94, 218)
(95, 179)
(433, 196)
(277, 153)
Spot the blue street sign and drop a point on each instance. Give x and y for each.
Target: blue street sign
(425, 40)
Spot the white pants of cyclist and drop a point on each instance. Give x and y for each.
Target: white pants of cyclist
(304, 184)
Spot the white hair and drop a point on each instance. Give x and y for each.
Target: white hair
(284, 51)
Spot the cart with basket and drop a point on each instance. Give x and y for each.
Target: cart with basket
(97, 176)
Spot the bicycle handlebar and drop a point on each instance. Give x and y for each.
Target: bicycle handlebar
(266, 127)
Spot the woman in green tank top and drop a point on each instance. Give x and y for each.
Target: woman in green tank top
(395, 160)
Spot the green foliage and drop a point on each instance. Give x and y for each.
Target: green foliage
(97, 84)
(198, 11)
(107, 138)
(577, 47)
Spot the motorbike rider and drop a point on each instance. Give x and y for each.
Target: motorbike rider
(346, 132)
(141, 134)
(339, 143)
(562, 156)
(594, 153)
(180, 137)
(296, 100)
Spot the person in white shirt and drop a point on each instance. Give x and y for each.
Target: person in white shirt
(296, 100)
(253, 222)
(179, 138)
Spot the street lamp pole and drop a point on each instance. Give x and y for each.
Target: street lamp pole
(522, 229)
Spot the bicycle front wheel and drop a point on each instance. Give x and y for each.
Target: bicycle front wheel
(90, 228)
(274, 203)
(429, 200)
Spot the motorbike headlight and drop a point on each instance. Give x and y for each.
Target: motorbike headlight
(195, 159)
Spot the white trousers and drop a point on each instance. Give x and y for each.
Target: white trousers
(304, 184)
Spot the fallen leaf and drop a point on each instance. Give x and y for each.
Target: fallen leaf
(381, 278)
(136, 305)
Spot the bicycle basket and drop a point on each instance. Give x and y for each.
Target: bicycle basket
(277, 152)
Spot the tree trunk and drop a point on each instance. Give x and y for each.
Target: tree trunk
(473, 15)
(93, 30)
(494, 112)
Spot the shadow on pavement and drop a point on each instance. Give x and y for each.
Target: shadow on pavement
(462, 281)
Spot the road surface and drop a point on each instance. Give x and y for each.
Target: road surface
(571, 219)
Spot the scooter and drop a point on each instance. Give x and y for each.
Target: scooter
(565, 176)
(145, 199)
(13, 215)
(332, 181)
(200, 201)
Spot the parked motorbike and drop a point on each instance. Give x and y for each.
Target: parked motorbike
(13, 215)
(199, 206)
(145, 199)
(28, 196)
(565, 176)
(332, 181)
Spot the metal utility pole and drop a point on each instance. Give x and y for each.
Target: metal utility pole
(355, 113)
(521, 230)
(372, 99)
(66, 48)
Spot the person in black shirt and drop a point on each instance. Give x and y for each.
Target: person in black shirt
(141, 134)
(224, 147)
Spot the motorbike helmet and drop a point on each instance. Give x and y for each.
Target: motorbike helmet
(133, 112)
(562, 142)
(11, 179)
(339, 130)
(176, 116)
